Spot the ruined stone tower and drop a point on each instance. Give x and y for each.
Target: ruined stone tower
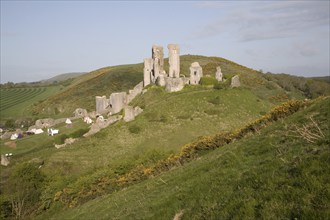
(196, 73)
(174, 60)
(147, 71)
(158, 62)
(218, 74)
(101, 104)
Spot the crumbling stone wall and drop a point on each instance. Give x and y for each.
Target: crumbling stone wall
(134, 92)
(80, 113)
(117, 102)
(174, 84)
(102, 103)
(45, 123)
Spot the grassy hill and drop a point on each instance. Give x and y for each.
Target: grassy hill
(99, 167)
(278, 173)
(80, 92)
(61, 77)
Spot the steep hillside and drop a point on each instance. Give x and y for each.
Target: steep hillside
(169, 121)
(83, 90)
(280, 172)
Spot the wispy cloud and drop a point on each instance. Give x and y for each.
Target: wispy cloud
(207, 4)
(306, 49)
(269, 20)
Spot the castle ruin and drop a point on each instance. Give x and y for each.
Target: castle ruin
(196, 73)
(154, 69)
(174, 60)
(153, 73)
(219, 74)
(158, 62)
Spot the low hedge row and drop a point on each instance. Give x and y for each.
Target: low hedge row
(60, 139)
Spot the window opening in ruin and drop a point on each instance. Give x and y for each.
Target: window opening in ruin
(195, 73)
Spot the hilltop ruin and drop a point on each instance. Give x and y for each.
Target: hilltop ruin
(154, 73)
(154, 69)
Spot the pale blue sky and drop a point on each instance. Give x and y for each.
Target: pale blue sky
(40, 39)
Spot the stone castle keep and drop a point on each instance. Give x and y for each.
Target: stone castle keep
(154, 66)
(154, 69)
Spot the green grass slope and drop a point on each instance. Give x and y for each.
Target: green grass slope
(169, 121)
(81, 93)
(278, 173)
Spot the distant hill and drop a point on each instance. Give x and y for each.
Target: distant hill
(62, 77)
(321, 78)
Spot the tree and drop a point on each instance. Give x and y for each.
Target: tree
(25, 186)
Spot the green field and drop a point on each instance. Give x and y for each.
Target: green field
(15, 102)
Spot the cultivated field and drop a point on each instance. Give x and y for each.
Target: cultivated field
(14, 102)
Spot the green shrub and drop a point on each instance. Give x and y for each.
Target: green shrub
(219, 86)
(25, 189)
(155, 117)
(152, 156)
(10, 124)
(79, 133)
(207, 81)
(59, 139)
(228, 77)
(124, 167)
